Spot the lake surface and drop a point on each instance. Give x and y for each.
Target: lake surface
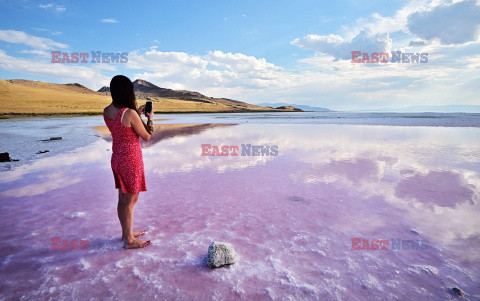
(304, 222)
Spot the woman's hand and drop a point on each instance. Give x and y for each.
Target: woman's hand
(141, 109)
(149, 115)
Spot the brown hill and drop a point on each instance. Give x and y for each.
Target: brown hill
(19, 97)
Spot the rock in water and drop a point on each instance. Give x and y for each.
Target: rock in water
(220, 254)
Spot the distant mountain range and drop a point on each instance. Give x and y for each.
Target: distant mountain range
(411, 109)
(21, 97)
(302, 107)
(432, 109)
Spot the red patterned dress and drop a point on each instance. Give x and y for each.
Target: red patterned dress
(127, 159)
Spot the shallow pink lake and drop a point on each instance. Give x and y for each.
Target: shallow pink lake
(291, 218)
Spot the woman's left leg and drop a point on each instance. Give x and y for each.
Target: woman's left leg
(126, 202)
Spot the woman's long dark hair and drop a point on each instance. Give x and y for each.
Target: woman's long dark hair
(123, 95)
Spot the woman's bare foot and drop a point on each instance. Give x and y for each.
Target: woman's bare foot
(136, 244)
(135, 234)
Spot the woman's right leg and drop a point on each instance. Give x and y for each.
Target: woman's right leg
(123, 200)
(126, 203)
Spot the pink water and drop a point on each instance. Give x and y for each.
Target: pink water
(289, 217)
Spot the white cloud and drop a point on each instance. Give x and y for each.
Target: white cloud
(377, 24)
(109, 21)
(19, 37)
(239, 62)
(337, 47)
(215, 69)
(457, 23)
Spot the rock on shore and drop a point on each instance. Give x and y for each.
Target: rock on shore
(220, 254)
(5, 157)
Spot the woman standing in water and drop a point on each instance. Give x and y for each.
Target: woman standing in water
(124, 121)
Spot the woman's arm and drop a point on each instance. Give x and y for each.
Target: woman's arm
(137, 125)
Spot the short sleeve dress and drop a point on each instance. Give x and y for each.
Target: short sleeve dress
(127, 159)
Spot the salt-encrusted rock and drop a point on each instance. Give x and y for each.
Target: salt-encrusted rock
(220, 254)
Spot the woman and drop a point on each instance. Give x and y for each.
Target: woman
(124, 122)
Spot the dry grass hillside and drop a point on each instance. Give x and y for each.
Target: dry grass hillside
(25, 97)
(33, 98)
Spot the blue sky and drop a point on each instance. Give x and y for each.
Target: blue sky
(256, 51)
